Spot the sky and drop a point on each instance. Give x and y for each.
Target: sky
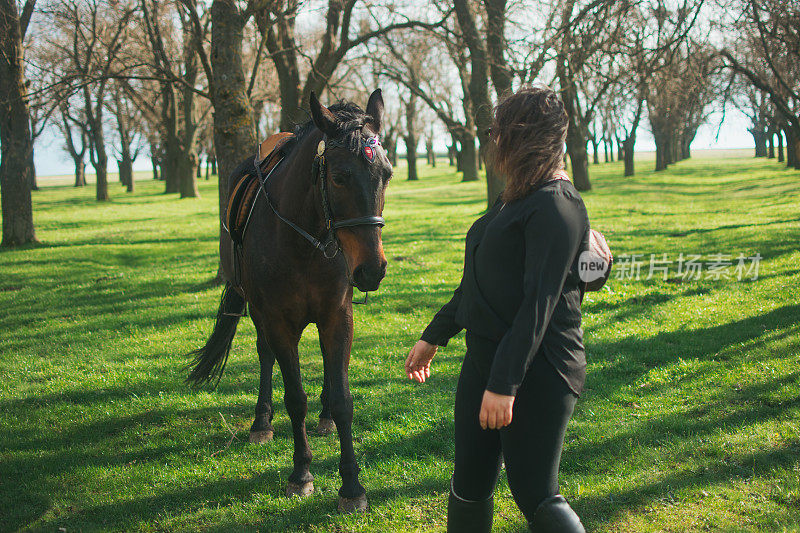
(52, 159)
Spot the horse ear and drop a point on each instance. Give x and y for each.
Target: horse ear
(322, 116)
(375, 109)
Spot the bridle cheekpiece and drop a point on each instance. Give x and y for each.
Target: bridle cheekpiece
(329, 246)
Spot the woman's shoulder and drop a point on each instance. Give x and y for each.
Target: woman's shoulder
(558, 193)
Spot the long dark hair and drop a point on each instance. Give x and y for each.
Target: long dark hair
(528, 132)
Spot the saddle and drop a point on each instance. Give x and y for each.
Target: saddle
(244, 191)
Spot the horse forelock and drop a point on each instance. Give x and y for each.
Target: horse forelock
(350, 123)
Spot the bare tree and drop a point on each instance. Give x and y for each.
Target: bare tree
(767, 54)
(415, 60)
(77, 151)
(91, 43)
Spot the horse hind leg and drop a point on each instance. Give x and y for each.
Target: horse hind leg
(261, 431)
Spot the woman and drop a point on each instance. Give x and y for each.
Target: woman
(519, 301)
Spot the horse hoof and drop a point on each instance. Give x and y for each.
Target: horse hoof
(260, 437)
(326, 426)
(299, 489)
(353, 505)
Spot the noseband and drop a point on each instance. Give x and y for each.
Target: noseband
(329, 246)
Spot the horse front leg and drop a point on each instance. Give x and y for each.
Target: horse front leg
(325, 425)
(284, 343)
(337, 338)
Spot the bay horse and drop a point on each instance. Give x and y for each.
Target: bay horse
(308, 242)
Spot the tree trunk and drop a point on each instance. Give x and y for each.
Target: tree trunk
(101, 175)
(187, 175)
(595, 154)
(214, 165)
(797, 152)
(80, 173)
(16, 142)
(410, 138)
(234, 130)
(154, 163)
(770, 145)
(457, 152)
(620, 150)
(579, 159)
(411, 156)
(779, 133)
(627, 154)
(429, 152)
(760, 140)
(469, 157)
(169, 163)
(479, 90)
(188, 165)
(662, 140)
(126, 167)
(208, 169)
(675, 144)
(34, 185)
(577, 132)
(791, 153)
(451, 155)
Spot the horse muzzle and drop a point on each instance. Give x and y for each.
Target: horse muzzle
(367, 277)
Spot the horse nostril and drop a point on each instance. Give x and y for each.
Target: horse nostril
(358, 274)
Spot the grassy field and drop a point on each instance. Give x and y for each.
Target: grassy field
(689, 421)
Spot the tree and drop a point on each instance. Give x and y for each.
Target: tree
(478, 88)
(755, 104)
(129, 133)
(176, 62)
(16, 159)
(91, 42)
(415, 61)
(767, 54)
(678, 99)
(410, 135)
(76, 151)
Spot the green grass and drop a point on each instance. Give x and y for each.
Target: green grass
(689, 421)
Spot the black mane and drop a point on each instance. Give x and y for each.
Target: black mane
(350, 120)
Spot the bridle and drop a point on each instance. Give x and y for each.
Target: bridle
(329, 245)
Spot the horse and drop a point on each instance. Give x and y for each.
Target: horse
(331, 183)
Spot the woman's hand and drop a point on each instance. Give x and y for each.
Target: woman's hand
(496, 410)
(418, 362)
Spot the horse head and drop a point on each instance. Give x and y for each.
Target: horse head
(356, 172)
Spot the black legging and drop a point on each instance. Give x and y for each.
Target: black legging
(530, 445)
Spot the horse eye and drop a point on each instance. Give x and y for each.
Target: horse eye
(341, 177)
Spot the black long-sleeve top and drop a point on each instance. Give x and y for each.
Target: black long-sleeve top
(521, 287)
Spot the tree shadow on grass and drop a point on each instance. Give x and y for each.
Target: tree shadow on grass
(730, 409)
(57, 456)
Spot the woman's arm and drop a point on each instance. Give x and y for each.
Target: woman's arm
(443, 327)
(553, 233)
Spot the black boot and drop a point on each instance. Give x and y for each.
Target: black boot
(465, 516)
(554, 515)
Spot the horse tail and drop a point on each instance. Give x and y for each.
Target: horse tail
(208, 363)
